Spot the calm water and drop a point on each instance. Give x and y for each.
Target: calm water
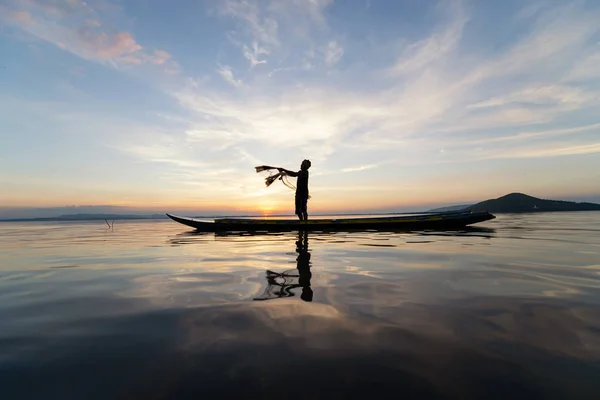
(151, 310)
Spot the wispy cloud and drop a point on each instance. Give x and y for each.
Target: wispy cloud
(252, 54)
(548, 133)
(547, 150)
(333, 53)
(428, 97)
(414, 116)
(21, 18)
(105, 46)
(438, 45)
(75, 26)
(360, 168)
(266, 25)
(261, 28)
(227, 74)
(550, 94)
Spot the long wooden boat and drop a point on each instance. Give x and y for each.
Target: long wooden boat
(409, 222)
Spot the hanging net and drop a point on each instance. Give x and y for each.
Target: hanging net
(282, 176)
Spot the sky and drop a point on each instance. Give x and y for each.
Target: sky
(399, 104)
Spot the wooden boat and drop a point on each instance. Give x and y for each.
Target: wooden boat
(409, 222)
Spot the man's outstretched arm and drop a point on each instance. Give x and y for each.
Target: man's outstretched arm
(288, 172)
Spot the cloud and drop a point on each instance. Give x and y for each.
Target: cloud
(306, 12)
(157, 57)
(431, 102)
(21, 17)
(253, 53)
(301, 117)
(160, 57)
(105, 46)
(92, 23)
(333, 53)
(586, 67)
(265, 25)
(426, 97)
(76, 27)
(547, 150)
(227, 74)
(524, 85)
(360, 168)
(556, 39)
(278, 70)
(549, 133)
(550, 94)
(262, 29)
(440, 44)
(52, 8)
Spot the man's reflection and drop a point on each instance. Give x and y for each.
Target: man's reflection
(303, 266)
(281, 284)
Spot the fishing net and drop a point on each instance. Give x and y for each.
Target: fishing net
(262, 168)
(282, 176)
(279, 285)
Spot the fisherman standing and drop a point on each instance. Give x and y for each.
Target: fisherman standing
(301, 188)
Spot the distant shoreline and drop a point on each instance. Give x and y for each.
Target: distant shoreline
(158, 217)
(512, 203)
(75, 218)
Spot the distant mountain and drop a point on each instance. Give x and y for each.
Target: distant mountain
(519, 202)
(451, 208)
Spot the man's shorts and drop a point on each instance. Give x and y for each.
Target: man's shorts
(301, 202)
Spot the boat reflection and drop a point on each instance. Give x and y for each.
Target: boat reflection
(470, 231)
(281, 284)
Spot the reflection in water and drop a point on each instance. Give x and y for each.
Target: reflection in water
(281, 284)
(507, 310)
(469, 231)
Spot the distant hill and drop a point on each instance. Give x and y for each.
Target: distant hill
(451, 208)
(519, 202)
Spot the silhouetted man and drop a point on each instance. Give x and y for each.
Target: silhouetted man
(301, 188)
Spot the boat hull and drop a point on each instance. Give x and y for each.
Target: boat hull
(416, 222)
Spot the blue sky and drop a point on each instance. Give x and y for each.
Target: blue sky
(400, 105)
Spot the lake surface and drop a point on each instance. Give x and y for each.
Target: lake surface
(150, 309)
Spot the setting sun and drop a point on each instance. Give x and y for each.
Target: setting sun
(266, 207)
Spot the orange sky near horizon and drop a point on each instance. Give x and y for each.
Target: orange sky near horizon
(278, 199)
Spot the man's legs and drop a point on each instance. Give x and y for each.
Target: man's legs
(304, 208)
(299, 207)
(301, 212)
